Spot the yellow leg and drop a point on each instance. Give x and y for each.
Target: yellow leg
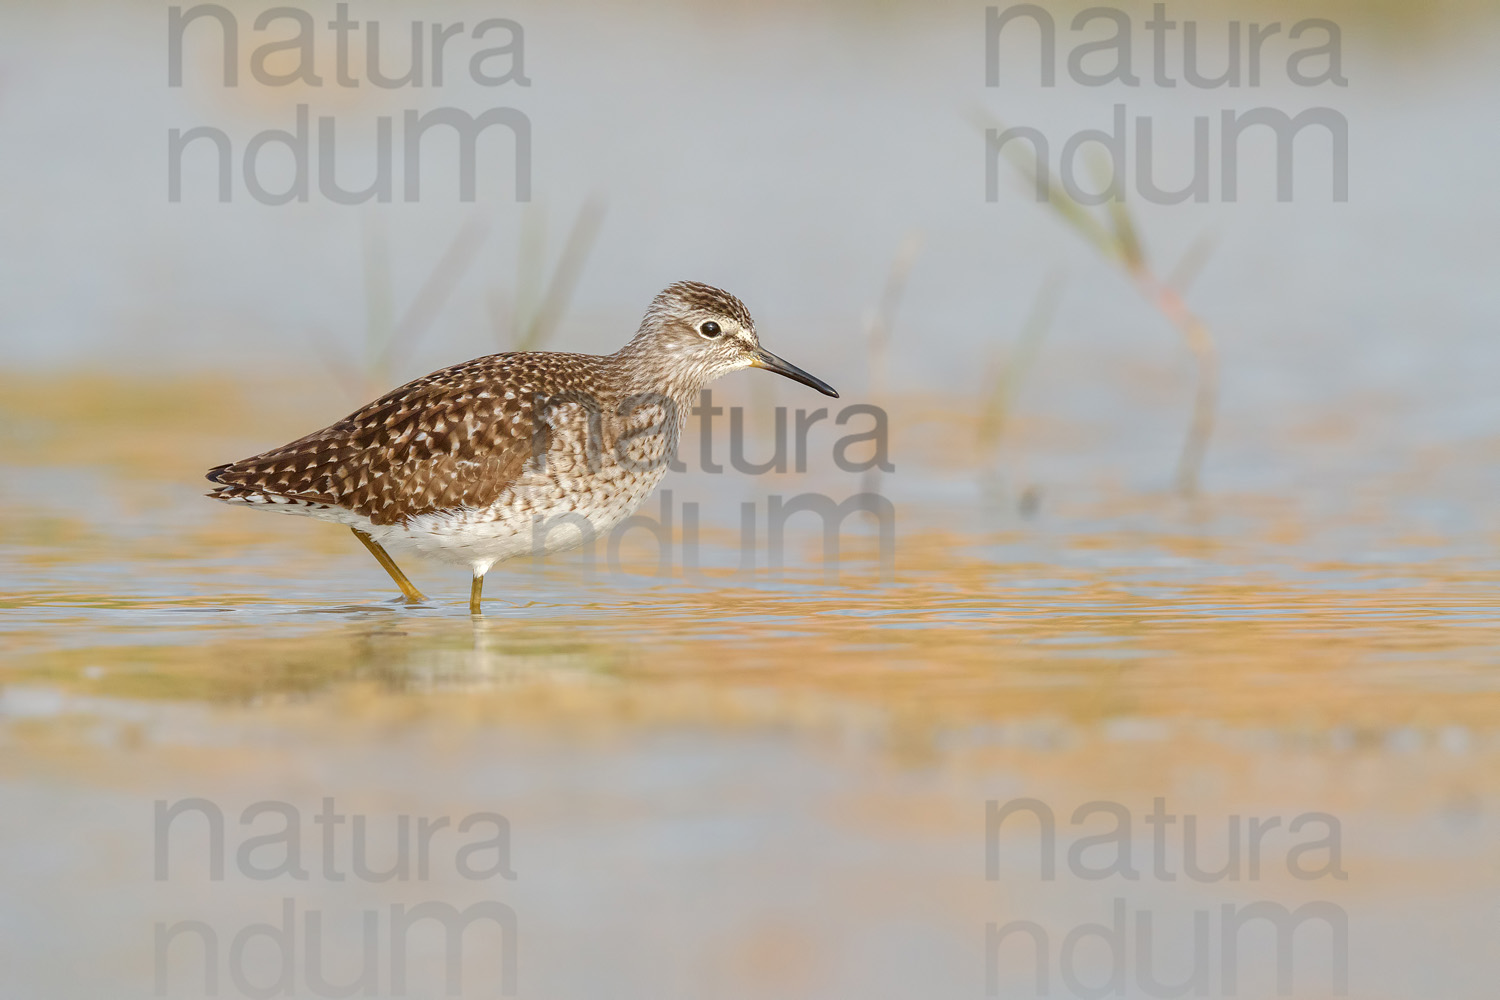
(413, 595)
(474, 593)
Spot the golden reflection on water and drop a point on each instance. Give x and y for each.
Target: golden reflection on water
(223, 605)
(157, 645)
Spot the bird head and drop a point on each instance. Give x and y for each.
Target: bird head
(704, 332)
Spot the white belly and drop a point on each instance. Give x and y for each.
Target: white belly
(534, 517)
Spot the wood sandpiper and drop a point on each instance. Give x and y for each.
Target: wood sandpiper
(528, 452)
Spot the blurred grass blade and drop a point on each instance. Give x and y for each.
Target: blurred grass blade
(1122, 242)
(1193, 259)
(1039, 176)
(531, 260)
(378, 306)
(882, 320)
(436, 290)
(1012, 369)
(1125, 239)
(559, 292)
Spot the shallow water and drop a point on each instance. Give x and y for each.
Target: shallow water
(774, 785)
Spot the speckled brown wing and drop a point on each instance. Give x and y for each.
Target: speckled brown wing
(453, 439)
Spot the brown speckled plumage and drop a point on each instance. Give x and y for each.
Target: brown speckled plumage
(452, 439)
(470, 462)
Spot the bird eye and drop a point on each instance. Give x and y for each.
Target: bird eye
(710, 329)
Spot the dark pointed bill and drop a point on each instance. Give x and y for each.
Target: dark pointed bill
(771, 363)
